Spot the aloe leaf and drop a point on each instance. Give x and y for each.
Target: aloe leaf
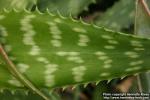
(65, 7)
(17, 4)
(4, 75)
(20, 95)
(121, 15)
(142, 28)
(142, 24)
(53, 51)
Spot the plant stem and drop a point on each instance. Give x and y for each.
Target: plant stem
(139, 83)
(145, 6)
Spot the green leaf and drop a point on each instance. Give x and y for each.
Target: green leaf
(121, 15)
(53, 51)
(17, 4)
(142, 24)
(4, 75)
(18, 95)
(65, 7)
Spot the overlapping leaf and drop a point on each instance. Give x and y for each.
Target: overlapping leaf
(121, 15)
(17, 4)
(142, 28)
(65, 7)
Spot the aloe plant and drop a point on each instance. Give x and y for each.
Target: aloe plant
(46, 55)
(43, 50)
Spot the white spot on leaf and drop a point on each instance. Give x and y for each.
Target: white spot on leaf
(107, 66)
(103, 57)
(133, 69)
(56, 43)
(83, 40)
(42, 59)
(75, 59)
(61, 53)
(56, 33)
(139, 49)
(15, 82)
(132, 54)
(109, 47)
(107, 37)
(80, 30)
(2, 17)
(105, 74)
(73, 53)
(136, 63)
(58, 20)
(3, 31)
(78, 73)
(8, 48)
(100, 53)
(136, 43)
(22, 67)
(35, 50)
(112, 42)
(49, 74)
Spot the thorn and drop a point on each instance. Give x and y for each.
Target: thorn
(51, 91)
(95, 26)
(74, 87)
(6, 10)
(15, 10)
(136, 74)
(85, 85)
(83, 22)
(108, 81)
(123, 77)
(50, 13)
(73, 19)
(37, 10)
(98, 82)
(27, 11)
(64, 88)
(60, 15)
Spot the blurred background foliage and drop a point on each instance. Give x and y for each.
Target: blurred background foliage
(117, 15)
